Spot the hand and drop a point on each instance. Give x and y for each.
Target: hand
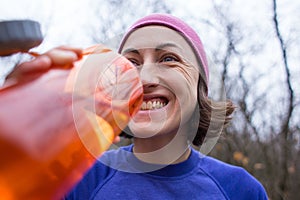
(49, 125)
(34, 100)
(61, 57)
(38, 133)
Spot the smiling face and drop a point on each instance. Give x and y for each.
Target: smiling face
(169, 72)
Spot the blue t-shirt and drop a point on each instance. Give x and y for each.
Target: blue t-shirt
(120, 175)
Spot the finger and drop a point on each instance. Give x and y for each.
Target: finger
(62, 58)
(27, 70)
(41, 63)
(117, 140)
(76, 50)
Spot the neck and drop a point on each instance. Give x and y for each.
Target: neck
(162, 149)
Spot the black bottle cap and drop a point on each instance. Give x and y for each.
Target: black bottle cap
(19, 36)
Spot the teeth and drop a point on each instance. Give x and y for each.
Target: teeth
(151, 105)
(144, 105)
(154, 104)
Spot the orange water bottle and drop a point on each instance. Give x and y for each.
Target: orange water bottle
(54, 128)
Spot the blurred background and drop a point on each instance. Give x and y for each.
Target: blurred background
(254, 53)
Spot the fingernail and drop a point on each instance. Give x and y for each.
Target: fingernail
(72, 55)
(41, 59)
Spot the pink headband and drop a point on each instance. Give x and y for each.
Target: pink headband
(178, 25)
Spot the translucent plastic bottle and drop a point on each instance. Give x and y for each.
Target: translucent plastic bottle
(48, 142)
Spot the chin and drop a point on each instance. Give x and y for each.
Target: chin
(146, 130)
(151, 129)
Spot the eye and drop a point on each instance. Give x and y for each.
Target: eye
(169, 58)
(134, 62)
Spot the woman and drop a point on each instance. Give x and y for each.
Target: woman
(176, 112)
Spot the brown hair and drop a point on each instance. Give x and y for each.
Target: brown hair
(213, 115)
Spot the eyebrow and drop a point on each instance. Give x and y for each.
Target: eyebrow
(164, 45)
(131, 50)
(157, 48)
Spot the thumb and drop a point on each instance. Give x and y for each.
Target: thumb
(26, 70)
(40, 63)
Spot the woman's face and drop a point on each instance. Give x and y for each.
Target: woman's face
(169, 74)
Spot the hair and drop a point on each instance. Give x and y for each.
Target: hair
(213, 115)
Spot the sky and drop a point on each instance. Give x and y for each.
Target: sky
(64, 21)
(67, 16)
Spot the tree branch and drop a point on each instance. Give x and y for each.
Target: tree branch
(285, 131)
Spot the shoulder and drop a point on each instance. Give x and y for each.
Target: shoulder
(234, 181)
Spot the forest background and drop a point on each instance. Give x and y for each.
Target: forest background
(254, 53)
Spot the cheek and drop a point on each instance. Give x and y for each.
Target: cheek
(183, 83)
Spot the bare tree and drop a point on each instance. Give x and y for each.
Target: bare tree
(285, 133)
(260, 139)
(114, 17)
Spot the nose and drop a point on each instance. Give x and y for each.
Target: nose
(149, 74)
